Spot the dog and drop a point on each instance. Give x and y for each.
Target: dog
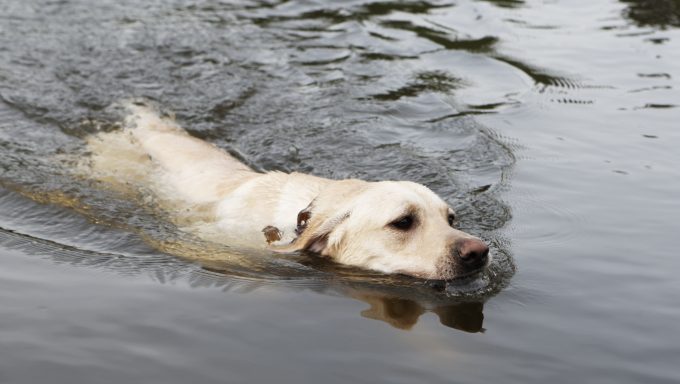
(387, 226)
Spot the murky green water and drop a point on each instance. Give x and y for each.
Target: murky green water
(551, 127)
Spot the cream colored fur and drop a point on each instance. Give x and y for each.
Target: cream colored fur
(217, 197)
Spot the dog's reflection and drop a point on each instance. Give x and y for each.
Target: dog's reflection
(398, 305)
(404, 313)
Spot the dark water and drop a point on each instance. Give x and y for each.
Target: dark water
(551, 127)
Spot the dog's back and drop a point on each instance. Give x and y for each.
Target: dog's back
(190, 175)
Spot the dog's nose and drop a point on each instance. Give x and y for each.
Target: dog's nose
(473, 253)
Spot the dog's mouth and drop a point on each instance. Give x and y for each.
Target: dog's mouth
(457, 272)
(459, 280)
(441, 282)
(468, 275)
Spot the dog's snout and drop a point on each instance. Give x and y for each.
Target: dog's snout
(473, 253)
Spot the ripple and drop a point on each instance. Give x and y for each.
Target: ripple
(443, 38)
(567, 224)
(436, 81)
(657, 106)
(659, 75)
(345, 13)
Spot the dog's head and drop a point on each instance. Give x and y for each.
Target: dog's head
(388, 226)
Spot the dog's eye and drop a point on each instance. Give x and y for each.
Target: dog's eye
(451, 219)
(403, 224)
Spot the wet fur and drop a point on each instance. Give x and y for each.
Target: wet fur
(283, 212)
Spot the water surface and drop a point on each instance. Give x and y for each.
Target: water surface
(551, 128)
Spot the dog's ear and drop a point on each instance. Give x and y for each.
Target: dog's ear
(315, 237)
(317, 222)
(313, 231)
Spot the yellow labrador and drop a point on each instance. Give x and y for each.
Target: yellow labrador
(388, 226)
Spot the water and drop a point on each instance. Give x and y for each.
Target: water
(550, 127)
